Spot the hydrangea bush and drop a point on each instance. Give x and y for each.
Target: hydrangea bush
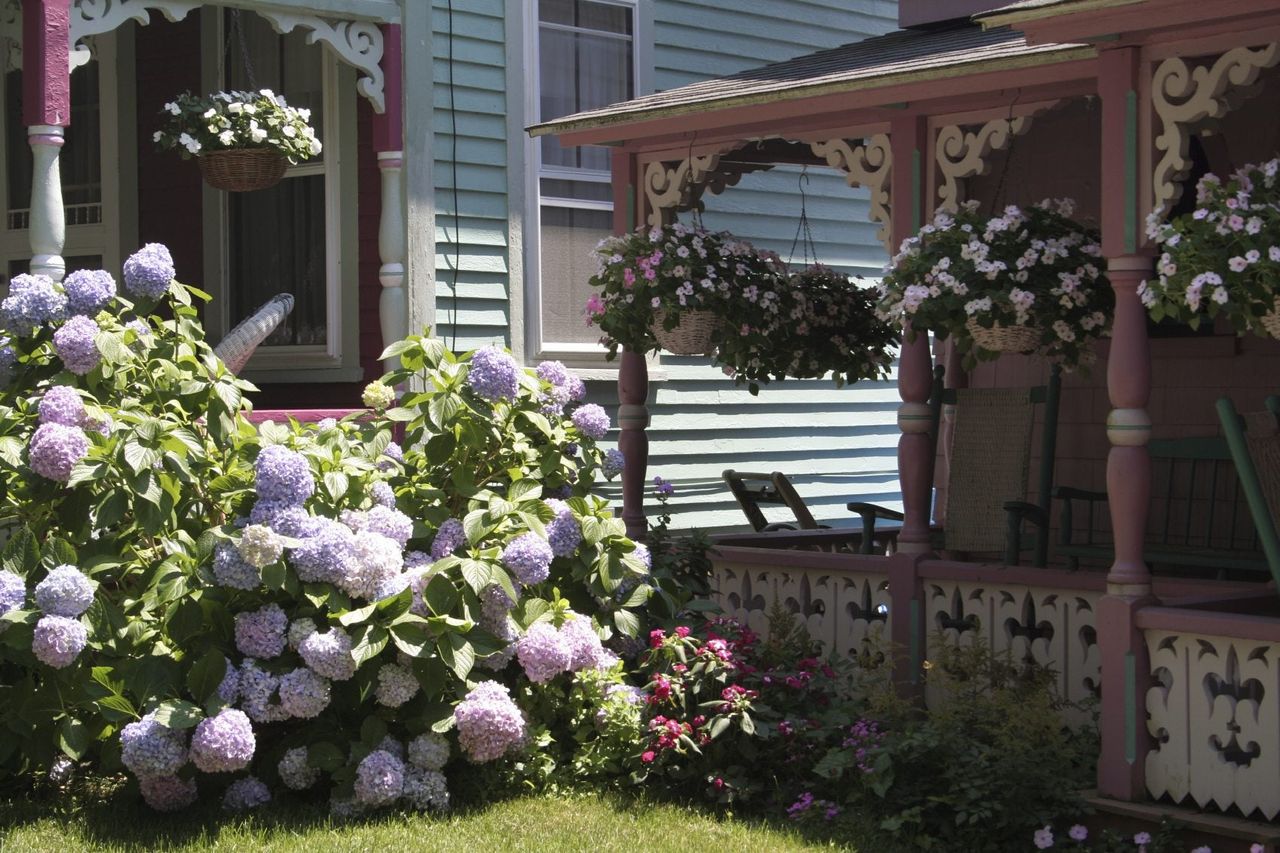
(1033, 267)
(1222, 258)
(195, 124)
(235, 611)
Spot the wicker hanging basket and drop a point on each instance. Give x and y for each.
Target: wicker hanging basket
(1000, 338)
(692, 334)
(242, 170)
(1271, 320)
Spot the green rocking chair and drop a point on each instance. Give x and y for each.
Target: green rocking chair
(1254, 440)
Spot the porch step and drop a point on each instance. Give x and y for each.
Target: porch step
(1223, 833)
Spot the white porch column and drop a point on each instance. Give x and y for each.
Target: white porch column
(393, 304)
(47, 229)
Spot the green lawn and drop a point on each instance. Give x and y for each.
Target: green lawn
(567, 823)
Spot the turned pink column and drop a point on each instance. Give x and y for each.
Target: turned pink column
(1126, 668)
(393, 235)
(46, 110)
(633, 372)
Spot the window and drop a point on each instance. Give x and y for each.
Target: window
(586, 58)
(288, 238)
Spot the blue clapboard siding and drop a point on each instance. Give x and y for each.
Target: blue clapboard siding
(471, 249)
(837, 445)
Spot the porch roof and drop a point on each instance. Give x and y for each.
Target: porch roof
(903, 56)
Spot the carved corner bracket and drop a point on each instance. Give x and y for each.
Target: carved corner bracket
(357, 43)
(671, 187)
(94, 17)
(868, 165)
(1186, 99)
(961, 154)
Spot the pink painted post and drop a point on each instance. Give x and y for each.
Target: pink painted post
(388, 142)
(1126, 670)
(908, 144)
(46, 110)
(633, 371)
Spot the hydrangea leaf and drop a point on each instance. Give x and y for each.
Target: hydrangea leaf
(627, 622)
(178, 714)
(206, 675)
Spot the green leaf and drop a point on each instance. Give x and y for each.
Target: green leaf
(412, 638)
(206, 675)
(457, 654)
(748, 725)
(73, 737)
(372, 731)
(354, 617)
(627, 622)
(476, 525)
(443, 408)
(524, 490)
(325, 756)
(369, 643)
(399, 414)
(718, 725)
(396, 605)
(274, 575)
(178, 714)
(336, 484)
(117, 708)
(440, 595)
(112, 347)
(476, 574)
(397, 348)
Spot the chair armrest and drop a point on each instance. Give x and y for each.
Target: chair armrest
(1072, 493)
(777, 525)
(875, 511)
(1020, 510)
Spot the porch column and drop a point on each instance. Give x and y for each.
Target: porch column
(633, 371)
(388, 142)
(46, 110)
(1126, 670)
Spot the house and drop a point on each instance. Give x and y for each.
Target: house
(1121, 104)
(429, 205)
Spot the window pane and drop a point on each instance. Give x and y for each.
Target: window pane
(81, 159)
(586, 190)
(568, 238)
(277, 245)
(285, 64)
(15, 141)
(608, 17)
(579, 72)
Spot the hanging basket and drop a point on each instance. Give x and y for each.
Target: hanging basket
(242, 170)
(692, 334)
(1271, 320)
(998, 338)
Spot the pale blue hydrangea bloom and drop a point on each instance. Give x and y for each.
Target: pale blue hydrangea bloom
(168, 793)
(489, 723)
(33, 300)
(149, 271)
(58, 640)
(62, 405)
(591, 420)
(76, 344)
(231, 570)
(261, 633)
(303, 694)
(13, 591)
(329, 654)
(448, 539)
(88, 291)
(614, 463)
(283, 475)
(494, 374)
(223, 743)
(325, 556)
(425, 789)
(245, 794)
(396, 685)
(585, 650)
(257, 689)
(543, 653)
(429, 751)
(65, 591)
(379, 779)
(529, 557)
(150, 749)
(295, 772)
(55, 449)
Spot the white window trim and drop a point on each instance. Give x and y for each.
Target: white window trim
(338, 359)
(588, 355)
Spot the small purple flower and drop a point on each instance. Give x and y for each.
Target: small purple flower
(614, 463)
(283, 475)
(564, 534)
(493, 374)
(383, 495)
(33, 300)
(223, 743)
(62, 405)
(261, 633)
(1043, 838)
(13, 591)
(88, 291)
(379, 779)
(151, 749)
(76, 344)
(1079, 832)
(663, 487)
(543, 653)
(55, 449)
(644, 555)
(489, 723)
(58, 640)
(65, 591)
(448, 538)
(529, 556)
(1142, 838)
(168, 793)
(591, 420)
(245, 794)
(303, 694)
(149, 271)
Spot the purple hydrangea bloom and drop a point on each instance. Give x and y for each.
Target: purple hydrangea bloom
(65, 591)
(8, 358)
(377, 560)
(150, 749)
(292, 521)
(326, 555)
(543, 653)
(614, 463)
(391, 745)
(564, 534)
(260, 633)
(383, 495)
(329, 654)
(55, 449)
(88, 291)
(76, 344)
(58, 640)
(299, 630)
(448, 538)
(494, 374)
(229, 688)
(502, 626)
(257, 688)
(244, 794)
(303, 694)
(396, 685)
(553, 372)
(644, 555)
(379, 779)
(429, 751)
(391, 523)
(231, 570)
(495, 603)
(283, 475)
(13, 591)
(295, 772)
(33, 300)
(529, 556)
(260, 546)
(142, 331)
(591, 420)
(425, 789)
(62, 405)
(393, 585)
(149, 271)
(223, 743)
(489, 722)
(584, 644)
(168, 793)
(101, 424)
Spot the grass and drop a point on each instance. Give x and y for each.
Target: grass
(548, 823)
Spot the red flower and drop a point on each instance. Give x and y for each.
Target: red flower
(718, 783)
(647, 756)
(656, 636)
(661, 687)
(682, 631)
(679, 667)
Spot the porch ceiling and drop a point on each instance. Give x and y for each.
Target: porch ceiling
(880, 63)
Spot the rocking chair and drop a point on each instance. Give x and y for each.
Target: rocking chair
(1254, 441)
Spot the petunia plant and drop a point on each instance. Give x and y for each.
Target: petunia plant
(194, 125)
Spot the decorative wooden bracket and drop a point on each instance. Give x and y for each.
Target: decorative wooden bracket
(867, 165)
(673, 187)
(962, 154)
(94, 17)
(1186, 99)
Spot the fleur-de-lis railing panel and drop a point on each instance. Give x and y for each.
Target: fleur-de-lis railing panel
(1214, 716)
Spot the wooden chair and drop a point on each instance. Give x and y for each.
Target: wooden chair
(990, 465)
(1254, 442)
(752, 489)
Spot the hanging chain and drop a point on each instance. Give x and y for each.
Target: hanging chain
(1008, 156)
(688, 181)
(236, 32)
(802, 227)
